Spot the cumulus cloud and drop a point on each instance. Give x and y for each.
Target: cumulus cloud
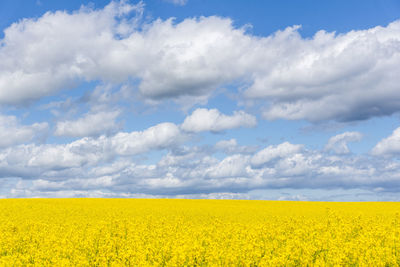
(160, 136)
(332, 76)
(326, 77)
(338, 143)
(97, 167)
(272, 152)
(170, 60)
(51, 159)
(91, 124)
(231, 166)
(212, 120)
(12, 132)
(60, 49)
(389, 145)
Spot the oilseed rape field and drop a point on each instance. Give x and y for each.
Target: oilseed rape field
(161, 232)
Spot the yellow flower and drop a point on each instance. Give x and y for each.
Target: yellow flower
(140, 232)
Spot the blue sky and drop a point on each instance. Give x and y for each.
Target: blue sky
(200, 99)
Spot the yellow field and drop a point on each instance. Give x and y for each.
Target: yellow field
(138, 232)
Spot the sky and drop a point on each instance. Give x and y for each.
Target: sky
(274, 100)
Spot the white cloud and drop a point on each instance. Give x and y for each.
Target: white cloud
(91, 124)
(226, 144)
(83, 168)
(231, 147)
(231, 166)
(56, 51)
(332, 76)
(12, 132)
(272, 152)
(160, 136)
(327, 77)
(177, 2)
(389, 145)
(36, 160)
(186, 59)
(212, 120)
(338, 143)
(192, 58)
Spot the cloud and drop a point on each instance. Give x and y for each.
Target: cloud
(331, 77)
(228, 145)
(231, 166)
(338, 143)
(191, 58)
(170, 60)
(212, 120)
(28, 161)
(96, 167)
(326, 77)
(160, 136)
(40, 56)
(91, 124)
(294, 198)
(13, 133)
(177, 2)
(231, 147)
(272, 152)
(388, 146)
(130, 61)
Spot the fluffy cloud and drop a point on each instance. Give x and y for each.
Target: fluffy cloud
(338, 143)
(231, 166)
(58, 50)
(331, 76)
(50, 159)
(93, 167)
(327, 77)
(272, 152)
(160, 136)
(12, 132)
(90, 124)
(388, 146)
(212, 120)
